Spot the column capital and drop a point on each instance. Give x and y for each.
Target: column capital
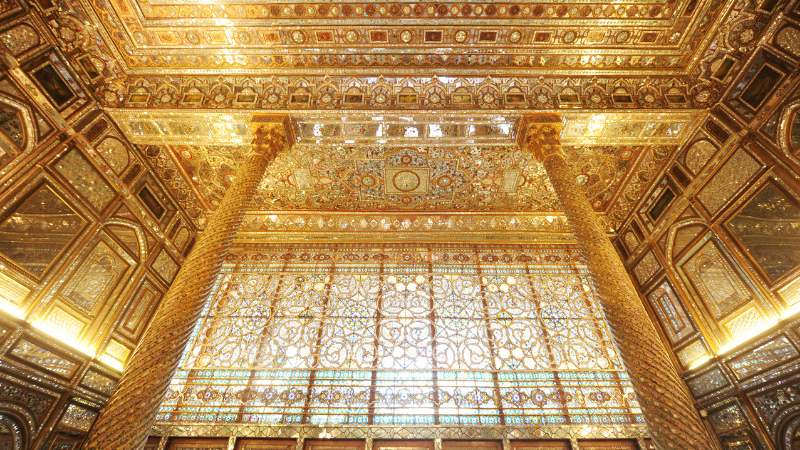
(540, 134)
(272, 134)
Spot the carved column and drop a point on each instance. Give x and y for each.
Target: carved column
(673, 421)
(125, 422)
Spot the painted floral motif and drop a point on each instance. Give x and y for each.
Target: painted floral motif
(493, 178)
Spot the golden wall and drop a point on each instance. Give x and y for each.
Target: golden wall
(90, 239)
(713, 247)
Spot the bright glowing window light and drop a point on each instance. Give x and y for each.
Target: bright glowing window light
(11, 308)
(48, 329)
(113, 363)
(747, 337)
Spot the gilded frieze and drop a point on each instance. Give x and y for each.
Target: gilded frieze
(471, 226)
(460, 432)
(663, 39)
(313, 92)
(420, 128)
(319, 178)
(254, 30)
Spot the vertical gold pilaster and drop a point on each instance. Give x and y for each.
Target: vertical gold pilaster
(673, 421)
(125, 422)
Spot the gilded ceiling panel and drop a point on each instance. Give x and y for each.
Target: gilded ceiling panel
(434, 179)
(408, 35)
(247, 54)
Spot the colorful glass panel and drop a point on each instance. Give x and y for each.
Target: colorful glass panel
(404, 337)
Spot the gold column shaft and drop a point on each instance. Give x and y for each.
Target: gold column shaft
(673, 421)
(125, 422)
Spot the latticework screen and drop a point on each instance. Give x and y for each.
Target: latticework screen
(402, 336)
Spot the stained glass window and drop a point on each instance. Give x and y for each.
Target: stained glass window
(410, 336)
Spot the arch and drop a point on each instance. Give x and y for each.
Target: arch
(786, 426)
(136, 228)
(787, 434)
(784, 128)
(699, 154)
(21, 422)
(673, 231)
(115, 153)
(17, 434)
(29, 133)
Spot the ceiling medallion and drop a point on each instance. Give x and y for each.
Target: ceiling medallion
(515, 36)
(406, 181)
(368, 181)
(444, 181)
(461, 36)
(298, 36)
(406, 36)
(351, 36)
(192, 37)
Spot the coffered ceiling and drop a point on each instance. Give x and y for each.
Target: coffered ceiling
(243, 36)
(410, 55)
(404, 108)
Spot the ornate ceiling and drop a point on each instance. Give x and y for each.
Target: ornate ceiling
(410, 55)
(405, 108)
(496, 179)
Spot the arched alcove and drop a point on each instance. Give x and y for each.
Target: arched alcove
(17, 427)
(16, 128)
